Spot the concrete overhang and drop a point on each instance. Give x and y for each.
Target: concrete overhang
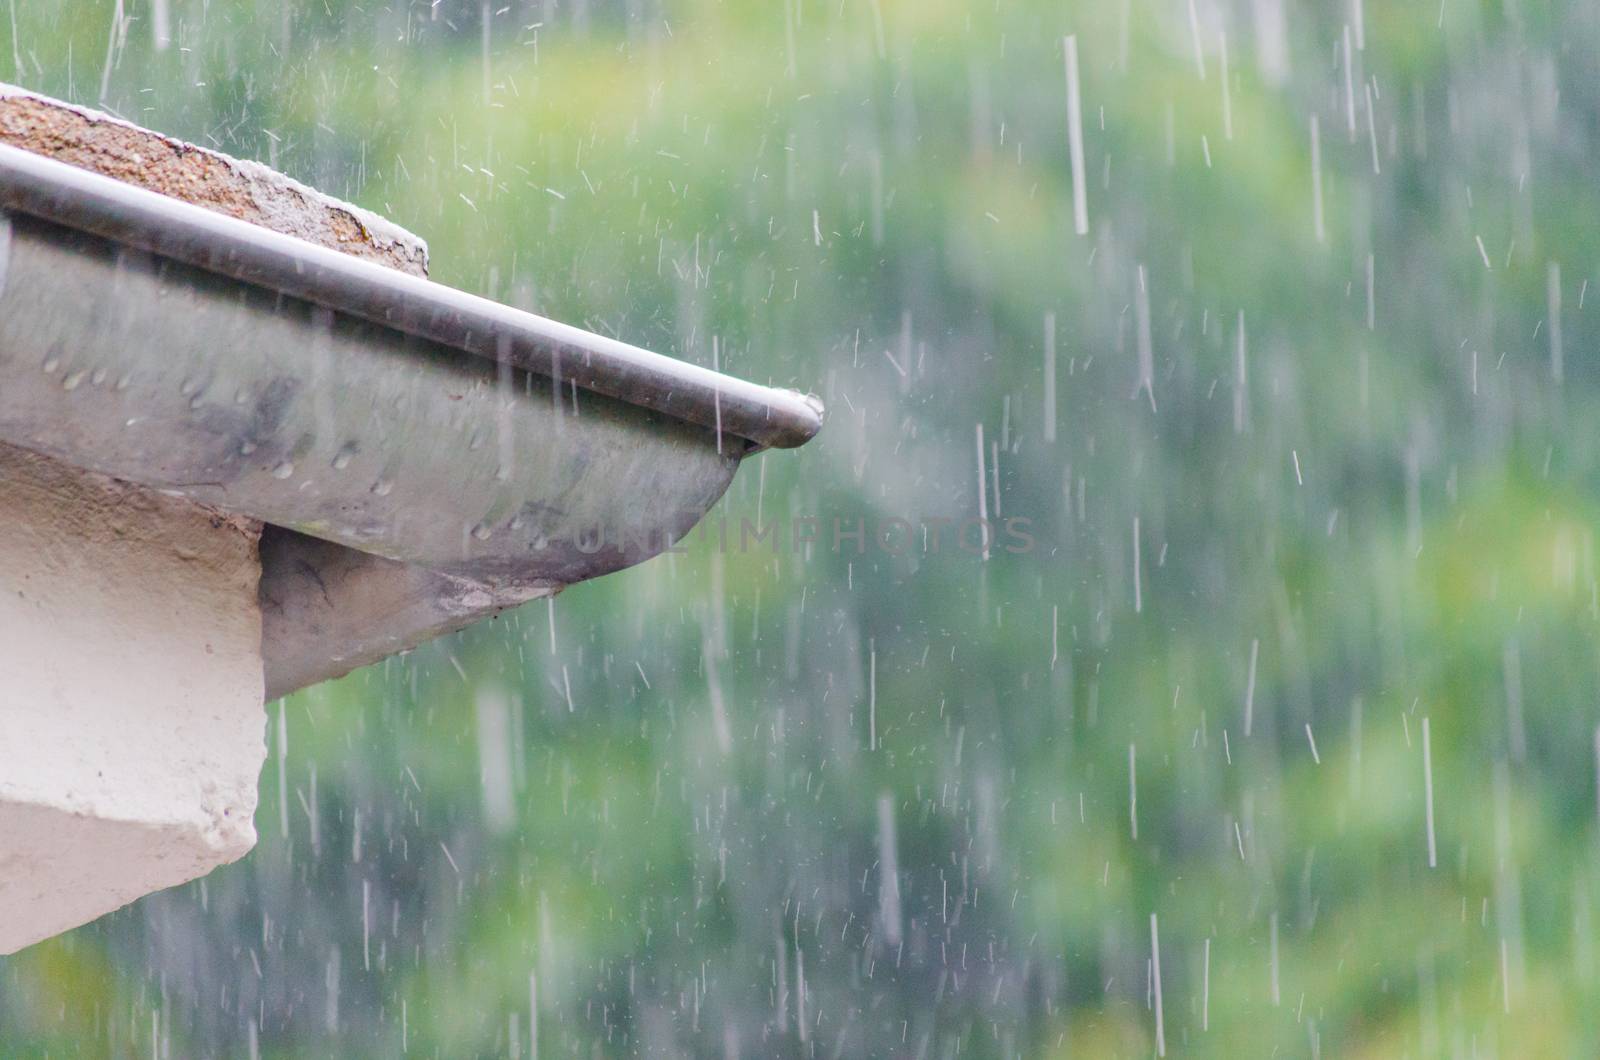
(421, 457)
(245, 447)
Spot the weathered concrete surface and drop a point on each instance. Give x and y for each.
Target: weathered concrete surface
(327, 610)
(246, 190)
(131, 721)
(131, 676)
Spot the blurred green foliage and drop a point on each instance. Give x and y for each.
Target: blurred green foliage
(1385, 522)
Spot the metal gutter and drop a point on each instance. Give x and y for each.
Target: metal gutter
(180, 231)
(421, 457)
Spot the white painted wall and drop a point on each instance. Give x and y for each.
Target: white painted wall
(131, 718)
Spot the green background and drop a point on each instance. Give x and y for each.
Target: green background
(1392, 511)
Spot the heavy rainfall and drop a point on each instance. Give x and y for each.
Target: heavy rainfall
(1182, 638)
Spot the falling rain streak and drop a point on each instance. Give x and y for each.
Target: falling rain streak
(1080, 190)
(5, 249)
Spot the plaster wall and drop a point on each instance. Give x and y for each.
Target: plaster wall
(131, 718)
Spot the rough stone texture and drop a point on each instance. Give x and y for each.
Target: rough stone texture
(246, 190)
(131, 720)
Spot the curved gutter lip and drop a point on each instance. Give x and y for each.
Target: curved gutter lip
(76, 198)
